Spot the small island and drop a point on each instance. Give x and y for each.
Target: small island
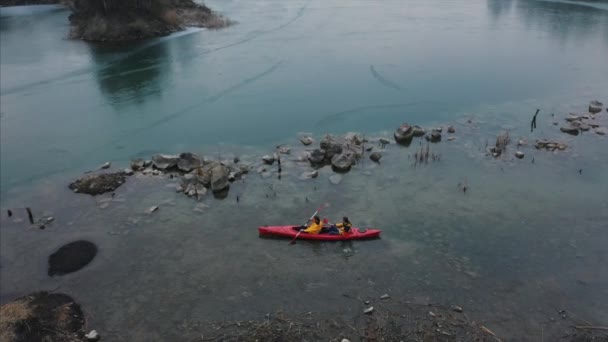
(126, 20)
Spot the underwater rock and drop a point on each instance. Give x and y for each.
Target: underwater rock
(343, 162)
(71, 257)
(384, 141)
(451, 129)
(316, 157)
(404, 134)
(164, 161)
(595, 107)
(42, 316)
(269, 159)
(306, 141)
(434, 137)
(569, 130)
(601, 131)
(335, 179)
(98, 184)
(284, 150)
(309, 175)
(375, 156)
(188, 161)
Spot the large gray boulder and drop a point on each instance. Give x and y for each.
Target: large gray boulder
(219, 177)
(404, 134)
(164, 161)
(595, 107)
(188, 161)
(342, 162)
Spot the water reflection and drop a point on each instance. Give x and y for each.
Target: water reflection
(134, 77)
(563, 20)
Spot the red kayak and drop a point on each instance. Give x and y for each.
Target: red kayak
(290, 232)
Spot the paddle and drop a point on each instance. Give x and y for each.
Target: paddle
(293, 241)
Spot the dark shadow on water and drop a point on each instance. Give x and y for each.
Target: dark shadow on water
(134, 78)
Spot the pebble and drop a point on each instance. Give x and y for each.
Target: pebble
(457, 308)
(345, 340)
(92, 336)
(385, 296)
(366, 302)
(368, 310)
(519, 154)
(106, 165)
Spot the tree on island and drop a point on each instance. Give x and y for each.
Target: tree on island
(123, 20)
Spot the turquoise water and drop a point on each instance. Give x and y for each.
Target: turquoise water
(286, 67)
(526, 240)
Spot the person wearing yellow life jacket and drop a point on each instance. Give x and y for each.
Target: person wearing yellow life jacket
(341, 228)
(314, 227)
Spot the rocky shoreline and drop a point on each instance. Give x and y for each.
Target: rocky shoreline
(199, 175)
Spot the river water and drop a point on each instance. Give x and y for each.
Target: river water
(526, 240)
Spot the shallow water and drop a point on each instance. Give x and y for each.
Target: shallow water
(527, 239)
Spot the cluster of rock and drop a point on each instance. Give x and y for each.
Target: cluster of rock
(339, 152)
(98, 184)
(405, 133)
(197, 174)
(550, 145)
(583, 123)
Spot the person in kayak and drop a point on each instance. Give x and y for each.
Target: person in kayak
(341, 228)
(314, 227)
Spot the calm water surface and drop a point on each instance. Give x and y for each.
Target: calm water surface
(526, 240)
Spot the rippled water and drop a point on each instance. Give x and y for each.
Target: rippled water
(526, 240)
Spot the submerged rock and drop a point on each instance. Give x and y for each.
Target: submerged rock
(188, 161)
(375, 156)
(595, 107)
(309, 175)
(316, 157)
(307, 141)
(98, 184)
(343, 162)
(569, 130)
(71, 257)
(434, 137)
(335, 179)
(42, 316)
(269, 159)
(164, 161)
(451, 129)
